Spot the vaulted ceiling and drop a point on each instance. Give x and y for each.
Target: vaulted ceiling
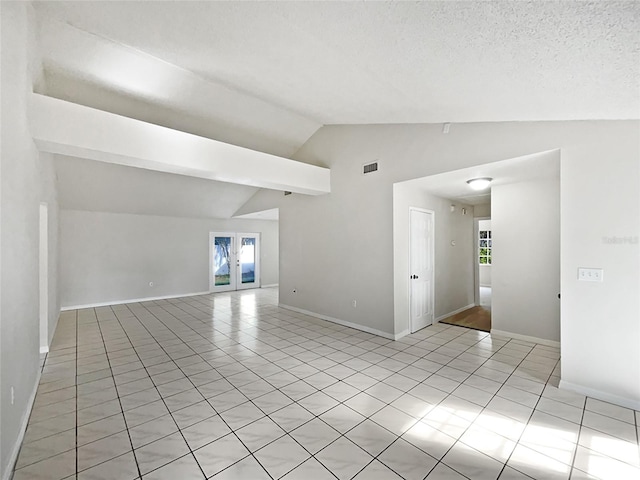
(267, 75)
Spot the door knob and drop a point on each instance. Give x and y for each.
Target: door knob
(414, 277)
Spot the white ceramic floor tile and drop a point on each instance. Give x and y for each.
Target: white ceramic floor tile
(161, 452)
(310, 469)
(429, 440)
(204, 432)
(371, 437)
(184, 468)
(342, 418)
(407, 460)
(210, 364)
(281, 456)
(102, 450)
(377, 471)
(224, 452)
(291, 417)
(343, 458)
(247, 468)
(472, 463)
(442, 472)
(123, 467)
(259, 433)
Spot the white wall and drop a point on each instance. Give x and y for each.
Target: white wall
(112, 257)
(484, 271)
(600, 321)
(485, 275)
(339, 247)
(483, 210)
(26, 180)
(49, 196)
(453, 264)
(526, 259)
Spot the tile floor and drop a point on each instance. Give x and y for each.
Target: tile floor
(230, 386)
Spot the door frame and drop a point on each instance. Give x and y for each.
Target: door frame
(433, 271)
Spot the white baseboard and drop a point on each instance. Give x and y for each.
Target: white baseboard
(131, 300)
(526, 338)
(442, 317)
(404, 333)
(13, 458)
(356, 326)
(600, 395)
(270, 285)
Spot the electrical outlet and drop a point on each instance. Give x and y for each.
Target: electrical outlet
(13, 396)
(590, 274)
(354, 304)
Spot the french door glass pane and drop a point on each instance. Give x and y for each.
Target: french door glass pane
(248, 259)
(222, 261)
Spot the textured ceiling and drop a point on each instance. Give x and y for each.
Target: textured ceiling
(389, 62)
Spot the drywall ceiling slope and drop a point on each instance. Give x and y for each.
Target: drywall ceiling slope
(391, 62)
(89, 70)
(264, 200)
(105, 187)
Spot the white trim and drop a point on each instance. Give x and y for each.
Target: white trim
(13, 458)
(357, 326)
(527, 338)
(44, 350)
(132, 300)
(462, 309)
(600, 395)
(404, 333)
(270, 285)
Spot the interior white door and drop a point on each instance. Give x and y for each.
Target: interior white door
(421, 270)
(234, 261)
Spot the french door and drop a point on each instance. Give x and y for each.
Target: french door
(234, 261)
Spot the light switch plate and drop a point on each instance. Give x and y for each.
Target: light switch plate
(590, 274)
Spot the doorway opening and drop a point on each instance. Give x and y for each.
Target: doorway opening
(479, 316)
(234, 260)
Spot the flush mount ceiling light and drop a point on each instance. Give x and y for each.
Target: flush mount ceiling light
(479, 183)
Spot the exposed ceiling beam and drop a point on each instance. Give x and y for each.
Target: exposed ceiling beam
(70, 129)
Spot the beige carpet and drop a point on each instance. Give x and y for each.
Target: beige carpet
(478, 318)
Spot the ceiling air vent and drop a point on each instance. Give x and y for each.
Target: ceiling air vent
(370, 168)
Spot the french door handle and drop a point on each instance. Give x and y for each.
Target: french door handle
(414, 277)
